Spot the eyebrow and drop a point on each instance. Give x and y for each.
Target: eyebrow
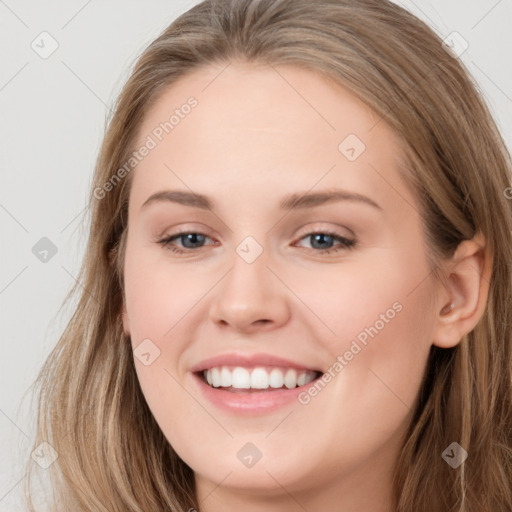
(290, 202)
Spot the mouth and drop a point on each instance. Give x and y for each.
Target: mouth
(253, 384)
(257, 379)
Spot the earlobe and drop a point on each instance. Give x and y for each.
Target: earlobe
(464, 297)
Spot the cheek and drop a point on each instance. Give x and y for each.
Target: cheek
(158, 295)
(375, 316)
(384, 296)
(377, 358)
(384, 334)
(158, 299)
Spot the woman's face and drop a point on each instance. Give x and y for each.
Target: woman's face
(255, 298)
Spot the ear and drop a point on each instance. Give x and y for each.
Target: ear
(466, 286)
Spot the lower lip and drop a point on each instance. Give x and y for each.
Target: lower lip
(257, 402)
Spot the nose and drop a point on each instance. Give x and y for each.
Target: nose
(250, 297)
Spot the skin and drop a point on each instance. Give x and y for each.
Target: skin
(251, 140)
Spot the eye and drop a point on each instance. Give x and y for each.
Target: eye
(321, 241)
(191, 240)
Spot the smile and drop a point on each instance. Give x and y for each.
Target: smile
(253, 384)
(234, 378)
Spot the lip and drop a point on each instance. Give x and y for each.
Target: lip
(249, 402)
(248, 360)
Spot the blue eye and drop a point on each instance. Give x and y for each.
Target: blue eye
(321, 241)
(190, 241)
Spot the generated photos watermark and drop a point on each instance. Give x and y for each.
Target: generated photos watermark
(151, 142)
(356, 346)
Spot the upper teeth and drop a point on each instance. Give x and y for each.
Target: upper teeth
(257, 378)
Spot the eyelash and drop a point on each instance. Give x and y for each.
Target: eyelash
(345, 243)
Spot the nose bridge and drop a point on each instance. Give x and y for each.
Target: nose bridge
(250, 293)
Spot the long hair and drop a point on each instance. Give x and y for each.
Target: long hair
(112, 456)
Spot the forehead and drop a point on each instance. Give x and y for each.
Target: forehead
(262, 97)
(251, 126)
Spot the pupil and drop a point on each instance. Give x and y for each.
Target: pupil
(321, 236)
(195, 238)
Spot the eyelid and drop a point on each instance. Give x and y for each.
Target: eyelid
(319, 227)
(302, 233)
(182, 229)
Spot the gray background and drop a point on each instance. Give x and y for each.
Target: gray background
(53, 112)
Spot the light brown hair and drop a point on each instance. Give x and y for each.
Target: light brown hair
(113, 457)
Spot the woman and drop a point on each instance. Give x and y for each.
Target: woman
(222, 354)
